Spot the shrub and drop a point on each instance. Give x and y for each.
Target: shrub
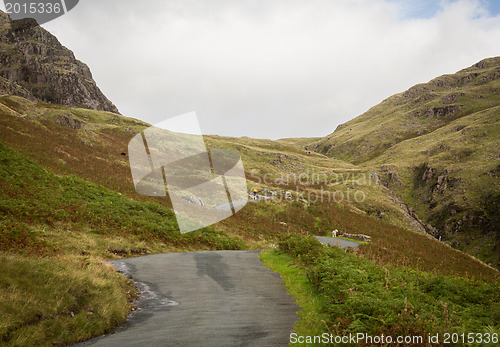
(362, 297)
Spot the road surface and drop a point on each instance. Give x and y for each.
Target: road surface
(224, 298)
(333, 241)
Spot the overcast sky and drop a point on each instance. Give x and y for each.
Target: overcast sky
(272, 68)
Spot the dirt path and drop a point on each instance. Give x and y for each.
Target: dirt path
(225, 298)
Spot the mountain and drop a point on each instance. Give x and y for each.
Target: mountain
(68, 204)
(436, 146)
(34, 65)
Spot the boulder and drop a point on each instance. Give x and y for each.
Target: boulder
(359, 237)
(68, 121)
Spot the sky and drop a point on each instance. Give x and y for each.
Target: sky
(272, 68)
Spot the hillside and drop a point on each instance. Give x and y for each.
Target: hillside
(418, 111)
(68, 204)
(73, 205)
(92, 145)
(436, 147)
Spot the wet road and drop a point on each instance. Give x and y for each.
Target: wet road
(341, 243)
(225, 298)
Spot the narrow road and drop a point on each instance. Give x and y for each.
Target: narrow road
(341, 243)
(224, 298)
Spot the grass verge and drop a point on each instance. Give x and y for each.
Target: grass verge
(296, 282)
(58, 301)
(352, 295)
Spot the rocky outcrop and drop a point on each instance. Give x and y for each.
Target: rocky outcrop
(285, 162)
(451, 98)
(445, 112)
(428, 173)
(10, 88)
(34, 65)
(436, 183)
(389, 178)
(359, 237)
(68, 121)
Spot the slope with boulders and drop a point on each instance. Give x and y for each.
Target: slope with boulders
(436, 147)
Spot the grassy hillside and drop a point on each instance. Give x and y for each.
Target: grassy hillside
(342, 294)
(87, 146)
(418, 111)
(71, 141)
(68, 203)
(436, 147)
(90, 144)
(450, 177)
(55, 233)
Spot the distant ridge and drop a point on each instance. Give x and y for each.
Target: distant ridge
(421, 109)
(436, 146)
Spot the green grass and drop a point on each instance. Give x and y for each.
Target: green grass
(33, 196)
(296, 282)
(67, 195)
(354, 295)
(58, 301)
(55, 234)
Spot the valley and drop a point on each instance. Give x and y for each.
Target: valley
(417, 173)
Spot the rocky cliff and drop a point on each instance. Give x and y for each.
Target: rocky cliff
(34, 65)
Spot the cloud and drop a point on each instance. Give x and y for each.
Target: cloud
(271, 69)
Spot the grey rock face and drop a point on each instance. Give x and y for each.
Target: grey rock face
(69, 121)
(359, 237)
(34, 64)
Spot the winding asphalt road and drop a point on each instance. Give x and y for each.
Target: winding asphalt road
(225, 298)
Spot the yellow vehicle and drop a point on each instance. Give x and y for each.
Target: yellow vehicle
(255, 191)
